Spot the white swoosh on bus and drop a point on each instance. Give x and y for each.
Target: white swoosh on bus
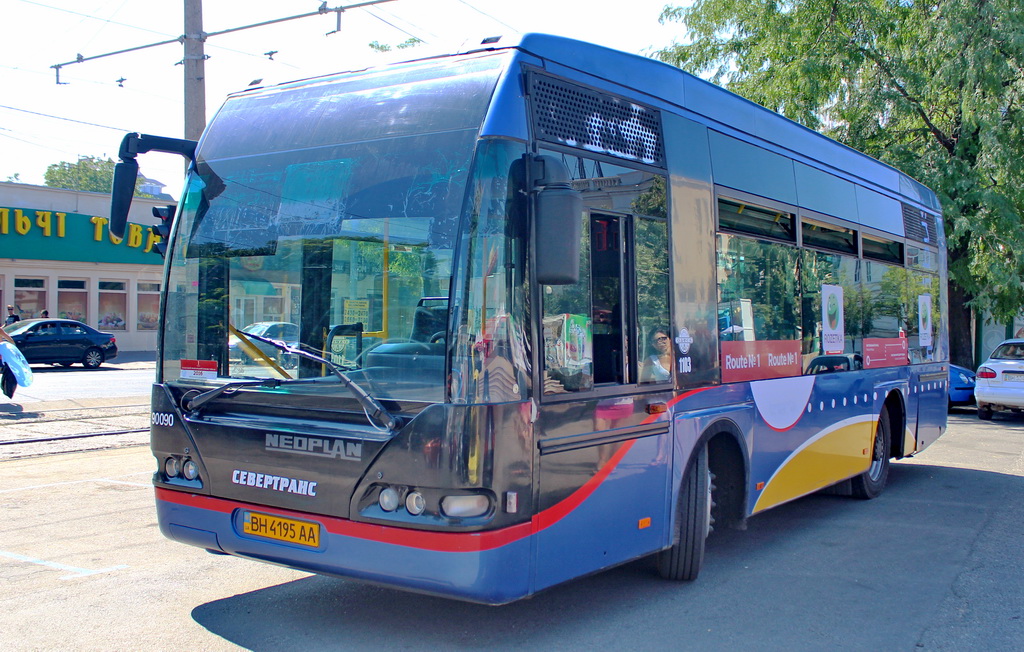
(781, 401)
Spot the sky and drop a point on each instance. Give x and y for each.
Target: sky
(89, 112)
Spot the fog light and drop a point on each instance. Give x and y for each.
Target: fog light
(190, 470)
(465, 506)
(415, 503)
(388, 500)
(172, 467)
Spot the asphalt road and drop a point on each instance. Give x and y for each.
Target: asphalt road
(933, 564)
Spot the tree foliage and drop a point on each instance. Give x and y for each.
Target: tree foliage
(932, 88)
(411, 42)
(88, 174)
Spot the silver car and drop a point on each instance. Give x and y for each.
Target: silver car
(1000, 380)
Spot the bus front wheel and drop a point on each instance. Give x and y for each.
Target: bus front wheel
(693, 522)
(871, 483)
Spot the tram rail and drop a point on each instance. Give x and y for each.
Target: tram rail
(33, 433)
(39, 440)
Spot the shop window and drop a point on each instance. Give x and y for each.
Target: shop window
(29, 297)
(147, 300)
(113, 305)
(72, 299)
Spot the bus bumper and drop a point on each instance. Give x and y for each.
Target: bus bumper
(487, 567)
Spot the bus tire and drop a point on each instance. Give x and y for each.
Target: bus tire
(682, 562)
(870, 484)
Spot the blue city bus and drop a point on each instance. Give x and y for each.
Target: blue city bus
(544, 308)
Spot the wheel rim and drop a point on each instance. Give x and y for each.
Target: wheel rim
(877, 458)
(709, 502)
(93, 358)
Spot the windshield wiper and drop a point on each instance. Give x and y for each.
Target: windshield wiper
(374, 410)
(199, 400)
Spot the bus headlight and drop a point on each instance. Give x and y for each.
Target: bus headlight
(415, 503)
(190, 470)
(388, 499)
(465, 506)
(172, 467)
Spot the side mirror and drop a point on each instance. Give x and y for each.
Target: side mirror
(127, 171)
(125, 174)
(558, 211)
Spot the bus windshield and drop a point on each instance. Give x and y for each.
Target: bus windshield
(339, 243)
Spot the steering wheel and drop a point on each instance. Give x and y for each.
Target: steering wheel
(439, 336)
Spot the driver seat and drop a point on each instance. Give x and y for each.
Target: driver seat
(428, 320)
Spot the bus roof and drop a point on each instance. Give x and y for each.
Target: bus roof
(661, 84)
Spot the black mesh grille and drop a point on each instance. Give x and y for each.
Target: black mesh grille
(919, 225)
(575, 116)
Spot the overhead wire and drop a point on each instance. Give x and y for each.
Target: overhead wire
(57, 117)
(136, 27)
(104, 20)
(390, 24)
(484, 13)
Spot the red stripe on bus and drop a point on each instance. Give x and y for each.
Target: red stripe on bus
(561, 509)
(437, 541)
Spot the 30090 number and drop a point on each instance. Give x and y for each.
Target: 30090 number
(163, 419)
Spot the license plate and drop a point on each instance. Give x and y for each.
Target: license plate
(289, 530)
(1012, 377)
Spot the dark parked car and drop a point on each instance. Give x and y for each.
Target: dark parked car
(63, 342)
(961, 386)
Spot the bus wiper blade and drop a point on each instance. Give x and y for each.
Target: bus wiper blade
(198, 401)
(374, 410)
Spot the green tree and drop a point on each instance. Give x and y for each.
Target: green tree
(377, 46)
(933, 89)
(88, 174)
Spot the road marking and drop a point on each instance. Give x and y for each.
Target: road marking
(76, 571)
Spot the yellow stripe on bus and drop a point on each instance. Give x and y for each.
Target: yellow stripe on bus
(841, 452)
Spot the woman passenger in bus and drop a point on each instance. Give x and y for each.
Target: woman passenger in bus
(658, 366)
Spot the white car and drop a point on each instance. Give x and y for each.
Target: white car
(1000, 380)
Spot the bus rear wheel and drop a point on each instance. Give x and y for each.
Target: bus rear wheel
(684, 559)
(870, 484)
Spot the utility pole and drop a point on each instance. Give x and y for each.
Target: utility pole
(195, 70)
(194, 40)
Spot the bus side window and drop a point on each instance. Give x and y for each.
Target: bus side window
(568, 331)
